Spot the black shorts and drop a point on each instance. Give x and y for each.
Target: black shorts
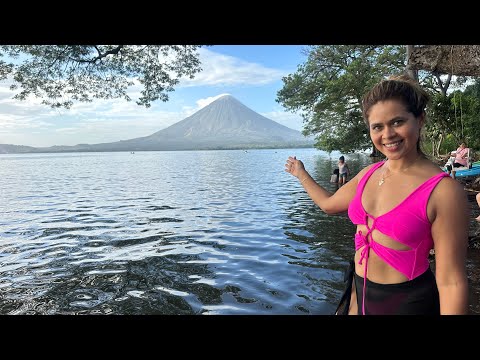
(455, 165)
(415, 297)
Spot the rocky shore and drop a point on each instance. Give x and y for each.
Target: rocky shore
(472, 188)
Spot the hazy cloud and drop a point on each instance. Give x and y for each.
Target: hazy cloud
(204, 102)
(224, 70)
(293, 121)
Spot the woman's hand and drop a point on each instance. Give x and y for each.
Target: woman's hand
(294, 166)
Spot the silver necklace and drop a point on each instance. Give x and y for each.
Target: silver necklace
(382, 180)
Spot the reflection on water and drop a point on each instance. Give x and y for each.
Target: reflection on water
(206, 232)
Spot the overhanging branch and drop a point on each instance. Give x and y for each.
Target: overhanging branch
(459, 60)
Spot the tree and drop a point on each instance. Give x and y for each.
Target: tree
(327, 91)
(452, 117)
(469, 105)
(441, 120)
(61, 74)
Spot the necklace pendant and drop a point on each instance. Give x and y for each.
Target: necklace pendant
(380, 183)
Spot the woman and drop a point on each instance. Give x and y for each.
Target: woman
(461, 159)
(402, 207)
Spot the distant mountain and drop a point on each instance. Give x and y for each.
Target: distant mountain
(224, 124)
(15, 149)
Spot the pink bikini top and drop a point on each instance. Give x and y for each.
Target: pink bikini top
(406, 223)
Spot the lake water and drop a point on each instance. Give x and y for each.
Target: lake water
(184, 232)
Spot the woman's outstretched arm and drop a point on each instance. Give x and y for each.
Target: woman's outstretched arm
(328, 202)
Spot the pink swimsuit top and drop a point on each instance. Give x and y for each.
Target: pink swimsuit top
(406, 223)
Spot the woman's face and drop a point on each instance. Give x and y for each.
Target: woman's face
(394, 131)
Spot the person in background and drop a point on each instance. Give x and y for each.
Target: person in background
(334, 177)
(343, 171)
(461, 155)
(402, 207)
(478, 202)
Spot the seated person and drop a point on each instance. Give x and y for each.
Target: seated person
(460, 159)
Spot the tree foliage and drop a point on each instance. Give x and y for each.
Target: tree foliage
(327, 91)
(453, 118)
(469, 105)
(61, 74)
(441, 121)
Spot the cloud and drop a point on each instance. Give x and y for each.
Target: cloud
(225, 70)
(11, 122)
(293, 121)
(95, 122)
(204, 102)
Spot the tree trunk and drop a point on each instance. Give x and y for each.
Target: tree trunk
(460, 60)
(409, 69)
(437, 147)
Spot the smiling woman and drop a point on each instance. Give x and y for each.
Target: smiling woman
(402, 208)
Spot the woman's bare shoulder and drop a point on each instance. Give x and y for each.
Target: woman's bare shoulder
(448, 191)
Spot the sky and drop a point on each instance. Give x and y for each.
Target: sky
(250, 73)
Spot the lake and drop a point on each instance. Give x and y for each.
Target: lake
(180, 232)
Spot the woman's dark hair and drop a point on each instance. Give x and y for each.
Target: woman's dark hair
(401, 88)
(342, 158)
